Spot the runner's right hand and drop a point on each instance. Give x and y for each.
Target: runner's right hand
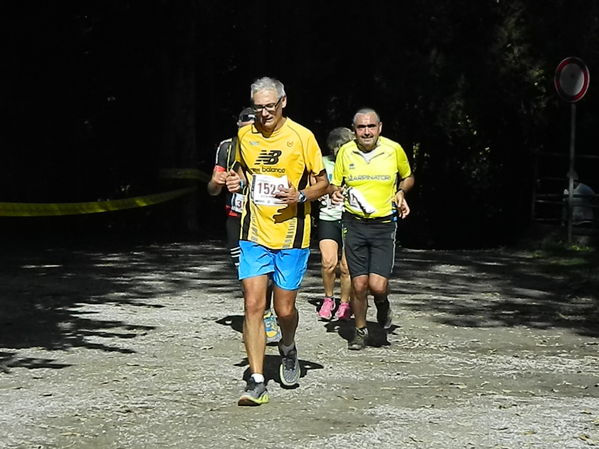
(337, 196)
(233, 182)
(219, 177)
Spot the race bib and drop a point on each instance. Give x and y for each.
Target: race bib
(264, 188)
(237, 202)
(327, 203)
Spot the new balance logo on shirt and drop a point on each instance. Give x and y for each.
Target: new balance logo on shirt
(268, 157)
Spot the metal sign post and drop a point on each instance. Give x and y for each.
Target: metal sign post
(571, 82)
(571, 169)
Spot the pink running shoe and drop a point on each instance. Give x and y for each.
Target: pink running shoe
(326, 309)
(344, 311)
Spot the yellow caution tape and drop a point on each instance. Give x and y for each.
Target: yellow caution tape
(49, 209)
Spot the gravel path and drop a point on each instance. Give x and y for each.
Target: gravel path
(141, 348)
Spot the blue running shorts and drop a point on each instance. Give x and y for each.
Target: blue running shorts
(286, 266)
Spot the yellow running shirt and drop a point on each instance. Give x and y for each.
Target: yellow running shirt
(289, 155)
(374, 174)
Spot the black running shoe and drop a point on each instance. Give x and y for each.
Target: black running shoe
(359, 341)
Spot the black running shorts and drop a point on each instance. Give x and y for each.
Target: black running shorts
(369, 245)
(330, 230)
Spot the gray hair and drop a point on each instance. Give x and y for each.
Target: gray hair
(365, 111)
(267, 83)
(337, 137)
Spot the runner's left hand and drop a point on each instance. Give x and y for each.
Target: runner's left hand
(287, 195)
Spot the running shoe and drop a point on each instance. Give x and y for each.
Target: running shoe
(289, 370)
(359, 341)
(384, 314)
(254, 394)
(271, 328)
(327, 307)
(344, 311)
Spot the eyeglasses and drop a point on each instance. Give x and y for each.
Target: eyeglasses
(271, 107)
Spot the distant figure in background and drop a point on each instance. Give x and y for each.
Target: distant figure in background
(582, 203)
(330, 239)
(225, 159)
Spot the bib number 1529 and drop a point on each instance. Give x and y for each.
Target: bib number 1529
(265, 187)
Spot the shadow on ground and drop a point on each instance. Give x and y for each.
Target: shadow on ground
(45, 290)
(503, 288)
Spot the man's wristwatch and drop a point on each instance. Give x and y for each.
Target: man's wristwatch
(301, 197)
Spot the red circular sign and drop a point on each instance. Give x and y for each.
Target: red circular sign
(572, 79)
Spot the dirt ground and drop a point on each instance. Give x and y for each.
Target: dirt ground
(139, 346)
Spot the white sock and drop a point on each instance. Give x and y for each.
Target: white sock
(258, 378)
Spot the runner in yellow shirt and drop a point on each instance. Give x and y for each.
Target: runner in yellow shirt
(275, 159)
(371, 176)
(225, 158)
